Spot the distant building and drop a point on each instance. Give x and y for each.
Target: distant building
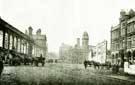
(80, 53)
(52, 57)
(65, 53)
(109, 58)
(40, 41)
(99, 52)
(76, 54)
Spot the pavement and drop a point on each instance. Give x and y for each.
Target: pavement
(61, 74)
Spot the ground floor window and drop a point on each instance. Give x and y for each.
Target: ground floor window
(1, 38)
(133, 55)
(129, 55)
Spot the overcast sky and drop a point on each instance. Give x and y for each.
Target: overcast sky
(65, 20)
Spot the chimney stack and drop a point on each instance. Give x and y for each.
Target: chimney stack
(78, 42)
(30, 31)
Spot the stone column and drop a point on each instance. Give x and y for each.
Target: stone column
(33, 50)
(23, 47)
(30, 48)
(131, 55)
(12, 41)
(20, 45)
(3, 42)
(8, 41)
(16, 44)
(26, 48)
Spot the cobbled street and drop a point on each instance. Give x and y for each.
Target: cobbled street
(56, 74)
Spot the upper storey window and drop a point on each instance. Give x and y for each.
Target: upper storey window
(122, 31)
(115, 34)
(131, 28)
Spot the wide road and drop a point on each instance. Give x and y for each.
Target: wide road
(57, 74)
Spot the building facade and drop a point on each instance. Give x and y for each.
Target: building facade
(99, 52)
(123, 39)
(40, 40)
(77, 53)
(14, 42)
(65, 53)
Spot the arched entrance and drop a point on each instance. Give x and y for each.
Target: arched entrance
(121, 53)
(134, 55)
(113, 58)
(116, 58)
(129, 55)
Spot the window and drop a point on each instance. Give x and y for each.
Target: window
(128, 29)
(11, 40)
(123, 24)
(134, 38)
(122, 31)
(6, 40)
(18, 48)
(133, 55)
(134, 27)
(129, 42)
(117, 46)
(15, 42)
(1, 38)
(129, 55)
(123, 44)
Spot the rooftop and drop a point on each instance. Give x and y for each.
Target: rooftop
(115, 27)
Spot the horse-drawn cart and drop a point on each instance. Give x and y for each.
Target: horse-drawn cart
(97, 64)
(37, 60)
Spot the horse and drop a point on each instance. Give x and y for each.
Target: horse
(90, 63)
(106, 65)
(86, 63)
(97, 64)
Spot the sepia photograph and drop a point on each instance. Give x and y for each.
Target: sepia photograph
(67, 42)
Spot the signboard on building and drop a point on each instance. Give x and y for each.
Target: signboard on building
(100, 52)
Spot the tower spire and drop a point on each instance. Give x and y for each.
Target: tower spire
(85, 40)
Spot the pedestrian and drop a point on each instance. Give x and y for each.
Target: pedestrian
(85, 64)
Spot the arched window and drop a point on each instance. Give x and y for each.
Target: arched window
(129, 55)
(15, 42)
(133, 55)
(116, 58)
(6, 40)
(1, 38)
(112, 58)
(11, 40)
(18, 48)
